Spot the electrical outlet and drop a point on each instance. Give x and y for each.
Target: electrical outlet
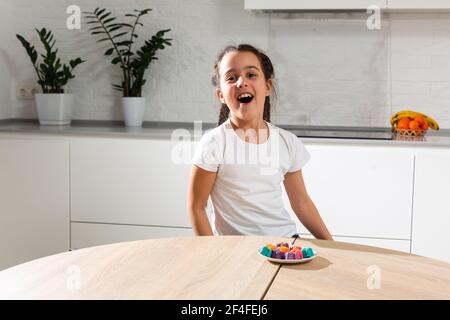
(26, 91)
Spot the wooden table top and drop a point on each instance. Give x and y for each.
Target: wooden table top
(226, 267)
(350, 271)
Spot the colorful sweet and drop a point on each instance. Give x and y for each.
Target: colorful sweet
(273, 253)
(307, 252)
(280, 255)
(291, 256)
(265, 251)
(283, 251)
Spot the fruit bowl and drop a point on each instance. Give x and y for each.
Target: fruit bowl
(410, 132)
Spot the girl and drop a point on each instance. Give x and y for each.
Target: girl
(246, 194)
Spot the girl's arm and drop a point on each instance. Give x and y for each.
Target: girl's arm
(303, 206)
(200, 186)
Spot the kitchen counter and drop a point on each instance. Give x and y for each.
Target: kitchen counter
(226, 267)
(164, 131)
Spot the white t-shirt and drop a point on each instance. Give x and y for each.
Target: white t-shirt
(246, 195)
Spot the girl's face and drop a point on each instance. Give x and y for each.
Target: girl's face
(243, 87)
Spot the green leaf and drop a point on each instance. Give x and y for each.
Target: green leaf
(116, 60)
(74, 63)
(105, 15)
(109, 20)
(145, 11)
(114, 28)
(119, 35)
(127, 25)
(124, 43)
(95, 28)
(109, 52)
(100, 12)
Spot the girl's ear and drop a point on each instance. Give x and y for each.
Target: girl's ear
(220, 95)
(268, 87)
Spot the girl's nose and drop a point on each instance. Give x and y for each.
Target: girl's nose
(241, 82)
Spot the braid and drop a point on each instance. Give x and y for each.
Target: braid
(266, 115)
(223, 114)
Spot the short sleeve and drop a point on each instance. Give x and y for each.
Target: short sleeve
(208, 155)
(300, 156)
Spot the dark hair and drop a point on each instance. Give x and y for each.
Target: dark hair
(267, 69)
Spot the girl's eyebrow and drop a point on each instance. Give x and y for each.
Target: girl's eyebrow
(251, 67)
(245, 68)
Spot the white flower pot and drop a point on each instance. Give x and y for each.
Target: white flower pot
(133, 111)
(54, 108)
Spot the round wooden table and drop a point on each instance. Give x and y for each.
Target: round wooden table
(226, 267)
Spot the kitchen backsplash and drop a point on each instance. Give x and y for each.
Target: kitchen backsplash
(330, 69)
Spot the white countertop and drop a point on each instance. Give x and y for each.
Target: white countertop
(162, 131)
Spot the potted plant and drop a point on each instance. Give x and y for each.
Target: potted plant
(122, 36)
(54, 107)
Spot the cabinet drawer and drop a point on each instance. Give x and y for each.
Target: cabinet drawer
(128, 181)
(399, 245)
(431, 221)
(361, 191)
(34, 199)
(94, 234)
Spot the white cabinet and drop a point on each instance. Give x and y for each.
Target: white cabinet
(431, 220)
(312, 5)
(128, 181)
(418, 4)
(34, 199)
(360, 5)
(128, 189)
(91, 234)
(361, 191)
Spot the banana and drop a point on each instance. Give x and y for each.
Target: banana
(413, 114)
(404, 114)
(431, 123)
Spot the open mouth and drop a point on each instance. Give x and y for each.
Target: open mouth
(245, 98)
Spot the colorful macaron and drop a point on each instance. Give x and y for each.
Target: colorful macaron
(283, 251)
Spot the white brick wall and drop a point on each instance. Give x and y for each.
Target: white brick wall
(420, 71)
(5, 77)
(331, 70)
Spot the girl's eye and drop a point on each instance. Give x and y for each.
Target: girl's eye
(251, 75)
(231, 78)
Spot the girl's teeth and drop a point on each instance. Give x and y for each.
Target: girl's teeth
(245, 98)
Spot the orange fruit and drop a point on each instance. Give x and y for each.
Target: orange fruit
(424, 126)
(413, 125)
(403, 123)
(420, 120)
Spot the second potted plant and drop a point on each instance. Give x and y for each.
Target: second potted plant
(54, 106)
(133, 64)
